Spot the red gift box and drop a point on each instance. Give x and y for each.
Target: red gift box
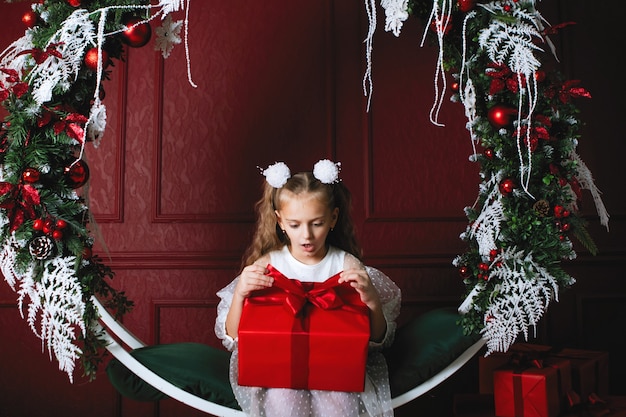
(590, 371)
(488, 364)
(537, 390)
(304, 335)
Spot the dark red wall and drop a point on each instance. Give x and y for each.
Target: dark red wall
(175, 177)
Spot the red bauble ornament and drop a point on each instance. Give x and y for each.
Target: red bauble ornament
(57, 235)
(91, 59)
(454, 86)
(74, 3)
(488, 153)
(77, 174)
(30, 19)
(465, 272)
(507, 186)
(30, 175)
(540, 75)
(500, 116)
(136, 36)
(61, 224)
(466, 5)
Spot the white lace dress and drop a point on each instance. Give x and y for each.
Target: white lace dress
(375, 400)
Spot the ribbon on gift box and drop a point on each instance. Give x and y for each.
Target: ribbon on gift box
(521, 361)
(326, 295)
(297, 297)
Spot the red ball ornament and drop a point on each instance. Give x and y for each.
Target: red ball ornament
(488, 153)
(540, 75)
(91, 59)
(74, 3)
(466, 5)
(30, 19)
(454, 86)
(507, 186)
(30, 175)
(464, 272)
(77, 174)
(136, 36)
(57, 235)
(500, 116)
(61, 224)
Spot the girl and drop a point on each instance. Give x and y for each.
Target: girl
(305, 231)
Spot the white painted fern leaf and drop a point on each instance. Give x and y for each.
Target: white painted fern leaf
(520, 299)
(71, 40)
(511, 42)
(55, 310)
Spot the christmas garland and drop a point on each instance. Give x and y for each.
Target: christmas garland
(524, 127)
(51, 86)
(520, 115)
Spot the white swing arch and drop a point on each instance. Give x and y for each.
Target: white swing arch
(120, 342)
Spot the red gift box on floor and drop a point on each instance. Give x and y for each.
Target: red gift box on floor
(532, 391)
(488, 364)
(304, 335)
(590, 371)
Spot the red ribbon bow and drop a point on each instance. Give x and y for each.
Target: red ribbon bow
(502, 77)
(40, 55)
(20, 202)
(295, 294)
(567, 91)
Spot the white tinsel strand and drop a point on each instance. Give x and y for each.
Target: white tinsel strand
(368, 85)
(440, 17)
(467, 92)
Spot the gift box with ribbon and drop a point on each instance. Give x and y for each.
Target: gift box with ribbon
(532, 387)
(488, 364)
(304, 335)
(590, 371)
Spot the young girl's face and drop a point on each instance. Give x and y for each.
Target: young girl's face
(307, 221)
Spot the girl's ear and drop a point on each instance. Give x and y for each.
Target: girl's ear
(334, 217)
(278, 220)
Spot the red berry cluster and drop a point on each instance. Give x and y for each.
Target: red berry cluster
(562, 214)
(51, 227)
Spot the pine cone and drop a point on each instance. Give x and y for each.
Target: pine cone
(41, 247)
(542, 207)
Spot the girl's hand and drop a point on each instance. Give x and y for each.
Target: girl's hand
(252, 278)
(360, 281)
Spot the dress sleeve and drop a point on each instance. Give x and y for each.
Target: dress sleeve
(390, 297)
(226, 297)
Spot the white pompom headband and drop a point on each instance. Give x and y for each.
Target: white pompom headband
(325, 170)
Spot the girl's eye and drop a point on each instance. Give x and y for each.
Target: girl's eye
(318, 224)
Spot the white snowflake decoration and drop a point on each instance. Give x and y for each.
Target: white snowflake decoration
(168, 35)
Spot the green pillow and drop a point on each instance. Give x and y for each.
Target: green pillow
(425, 346)
(196, 368)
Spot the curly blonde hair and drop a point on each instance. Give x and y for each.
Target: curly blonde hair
(269, 237)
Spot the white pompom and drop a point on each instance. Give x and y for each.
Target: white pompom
(327, 171)
(277, 174)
